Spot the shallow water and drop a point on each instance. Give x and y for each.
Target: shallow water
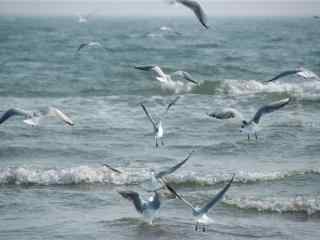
(52, 184)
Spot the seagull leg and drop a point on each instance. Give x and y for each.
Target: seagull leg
(162, 142)
(196, 227)
(156, 140)
(248, 137)
(204, 228)
(256, 135)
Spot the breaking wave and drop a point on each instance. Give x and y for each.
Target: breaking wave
(91, 175)
(302, 204)
(304, 89)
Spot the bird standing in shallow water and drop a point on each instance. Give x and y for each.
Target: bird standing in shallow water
(200, 213)
(157, 125)
(147, 208)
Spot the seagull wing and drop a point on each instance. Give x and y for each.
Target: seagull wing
(112, 169)
(55, 112)
(216, 198)
(283, 74)
(155, 69)
(13, 112)
(82, 45)
(173, 191)
(174, 168)
(135, 198)
(149, 116)
(226, 113)
(270, 108)
(172, 103)
(187, 76)
(197, 9)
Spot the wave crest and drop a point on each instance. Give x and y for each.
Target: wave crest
(308, 205)
(91, 175)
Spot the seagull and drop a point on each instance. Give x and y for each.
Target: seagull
(157, 125)
(33, 118)
(301, 72)
(157, 180)
(200, 213)
(196, 8)
(166, 79)
(89, 44)
(148, 208)
(82, 19)
(250, 127)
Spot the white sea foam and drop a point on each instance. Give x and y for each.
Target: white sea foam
(299, 89)
(240, 177)
(90, 175)
(308, 205)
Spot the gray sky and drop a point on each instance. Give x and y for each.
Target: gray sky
(160, 7)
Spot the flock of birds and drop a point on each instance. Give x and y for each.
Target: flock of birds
(158, 182)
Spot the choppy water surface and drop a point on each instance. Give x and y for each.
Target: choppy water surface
(52, 184)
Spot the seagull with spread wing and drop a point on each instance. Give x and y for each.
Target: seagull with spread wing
(147, 208)
(157, 125)
(200, 213)
(301, 72)
(90, 44)
(34, 118)
(157, 179)
(251, 126)
(196, 8)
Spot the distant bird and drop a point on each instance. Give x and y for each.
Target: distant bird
(90, 44)
(301, 72)
(157, 179)
(82, 18)
(167, 78)
(148, 208)
(169, 30)
(35, 117)
(250, 127)
(200, 213)
(157, 125)
(196, 8)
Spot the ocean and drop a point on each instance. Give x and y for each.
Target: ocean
(52, 182)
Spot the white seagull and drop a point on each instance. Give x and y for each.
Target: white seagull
(200, 213)
(196, 8)
(82, 18)
(148, 208)
(34, 118)
(251, 126)
(301, 72)
(89, 44)
(157, 125)
(166, 80)
(157, 180)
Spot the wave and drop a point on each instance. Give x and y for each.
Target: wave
(302, 89)
(298, 204)
(241, 177)
(91, 175)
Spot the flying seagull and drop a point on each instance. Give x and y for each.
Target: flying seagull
(166, 78)
(196, 8)
(250, 127)
(157, 179)
(90, 44)
(200, 213)
(148, 208)
(33, 118)
(157, 125)
(301, 72)
(82, 18)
